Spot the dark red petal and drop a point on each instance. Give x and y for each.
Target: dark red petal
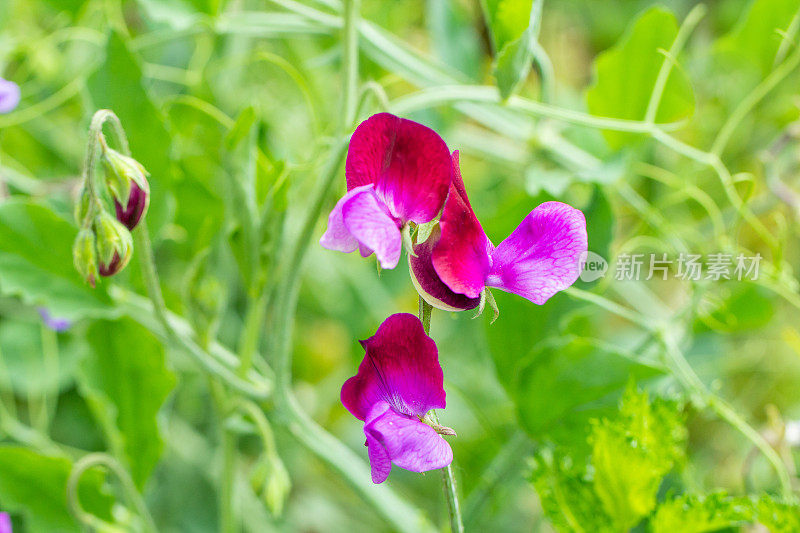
(400, 367)
(114, 266)
(132, 213)
(428, 283)
(462, 257)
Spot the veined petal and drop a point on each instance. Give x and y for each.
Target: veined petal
(409, 443)
(366, 219)
(379, 461)
(408, 163)
(462, 257)
(541, 256)
(400, 367)
(428, 283)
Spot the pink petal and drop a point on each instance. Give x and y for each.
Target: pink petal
(9, 96)
(337, 237)
(366, 219)
(360, 221)
(410, 443)
(428, 283)
(462, 256)
(408, 163)
(541, 256)
(5, 523)
(401, 367)
(379, 461)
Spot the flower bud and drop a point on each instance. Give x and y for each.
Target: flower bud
(114, 244)
(270, 479)
(277, 488)
(82, 205)
(127, 180)
(84, 255)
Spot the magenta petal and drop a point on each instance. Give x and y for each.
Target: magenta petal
(400, 367)
(541, 256)
(367, 221)
(428, 283)
(462, 256)
(5, 523)
(408, 163)
(379, 461)
(410, 443)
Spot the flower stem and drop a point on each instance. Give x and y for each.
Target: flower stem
(448, 476)
(128, 487)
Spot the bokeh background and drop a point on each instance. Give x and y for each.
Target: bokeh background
(181, 74)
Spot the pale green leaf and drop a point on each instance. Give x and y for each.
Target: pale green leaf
(759, 36)
(35, 485)
(698, 514)
(626, 74)
(633, 452)
(126, 381)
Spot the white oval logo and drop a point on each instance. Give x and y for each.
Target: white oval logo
(592, 266)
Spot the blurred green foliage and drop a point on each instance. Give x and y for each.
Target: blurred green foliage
(233, 107)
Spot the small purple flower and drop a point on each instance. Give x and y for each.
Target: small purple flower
(9, 96)
(538, 259)
(397, 383)
(397, 171)
(5, 523)
(54, 323)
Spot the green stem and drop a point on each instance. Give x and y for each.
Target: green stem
(350, 94)
(227, 514)
(685, 374)
(128, 487)
(205, 360)
(689, 23)
(251, 335)
(448, 476)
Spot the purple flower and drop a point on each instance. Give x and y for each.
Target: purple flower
(5, 523)
(9, 95)
(54, 323)
(540, 257)
(397, 383)
(397, 171)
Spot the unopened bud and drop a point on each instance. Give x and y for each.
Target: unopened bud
(132, 213)
(84, 255)
(127, 180)
(114, 244)
(82, 205)
(270, 479)
(278, 487)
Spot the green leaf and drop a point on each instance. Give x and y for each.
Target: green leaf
(632, 452)
(35, 485)
(117, 85)
(36, 262)
(696, 514)
(758, 37)
(513, 24)
(627, 72)
(125, 381)
(778, 516)
(566, 494)
(567, 381)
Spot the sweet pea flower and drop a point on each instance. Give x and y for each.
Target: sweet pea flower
(397, 171)
(458, 261)
(9, 96)
(397, 383)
